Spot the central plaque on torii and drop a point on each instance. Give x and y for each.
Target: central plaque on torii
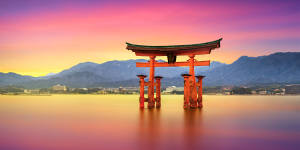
(192, 89)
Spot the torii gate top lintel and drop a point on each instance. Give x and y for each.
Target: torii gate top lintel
(196, 49)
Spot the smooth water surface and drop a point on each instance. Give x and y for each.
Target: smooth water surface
(96, 122)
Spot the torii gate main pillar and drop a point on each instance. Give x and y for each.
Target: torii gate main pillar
(151, 100)
(193, 87)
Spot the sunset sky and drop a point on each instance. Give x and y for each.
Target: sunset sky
(38, 37)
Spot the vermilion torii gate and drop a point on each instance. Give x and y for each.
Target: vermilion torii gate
(192, 89)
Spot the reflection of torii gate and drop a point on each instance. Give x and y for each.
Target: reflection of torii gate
(192, 98)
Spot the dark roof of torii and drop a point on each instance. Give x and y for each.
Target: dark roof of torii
(173, 48)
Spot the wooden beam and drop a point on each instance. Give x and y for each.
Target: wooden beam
(176, 64)
(150, 54)
(193, 52)
(200, 51)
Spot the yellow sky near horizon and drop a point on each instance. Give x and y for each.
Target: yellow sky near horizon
(45, 64)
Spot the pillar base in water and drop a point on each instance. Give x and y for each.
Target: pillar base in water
(200, 105)
(142, 102)
(157, 105)
(193, 105)
(151, 104)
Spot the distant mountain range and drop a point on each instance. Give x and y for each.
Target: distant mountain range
(277, 68)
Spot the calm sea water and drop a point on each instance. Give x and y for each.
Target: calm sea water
(107, 122)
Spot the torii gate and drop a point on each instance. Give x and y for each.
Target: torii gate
(192, 95)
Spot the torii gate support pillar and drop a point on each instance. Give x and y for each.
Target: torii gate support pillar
(157, 86)
(199, 85)
(186, 100)
(142, 90)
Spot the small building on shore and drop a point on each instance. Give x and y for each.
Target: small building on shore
(292, 89)
(34, 91)
(59, 87)
(264, 92)
(173, 89)
(253, 92)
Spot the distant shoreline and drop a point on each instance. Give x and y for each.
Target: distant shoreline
(13, 94)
